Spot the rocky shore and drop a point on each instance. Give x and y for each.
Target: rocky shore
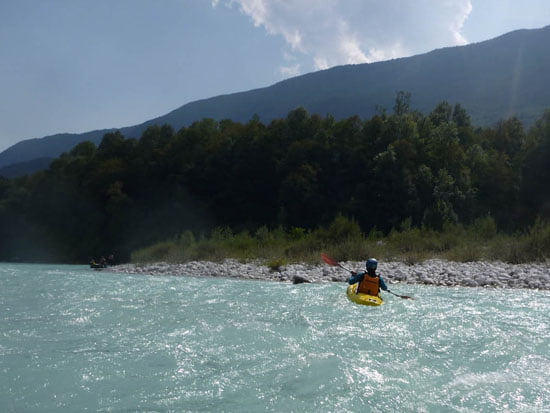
(431, 272)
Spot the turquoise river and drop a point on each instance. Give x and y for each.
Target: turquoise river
(73, 339)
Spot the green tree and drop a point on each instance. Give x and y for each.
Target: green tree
(402, 103)
(441, 114)
(535, 188)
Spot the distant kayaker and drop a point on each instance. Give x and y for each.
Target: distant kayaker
(369, 282)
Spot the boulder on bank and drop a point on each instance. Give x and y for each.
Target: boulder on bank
(430, 272)
(298, 279)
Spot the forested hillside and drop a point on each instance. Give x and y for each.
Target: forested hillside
(496, 79)
(299, 171)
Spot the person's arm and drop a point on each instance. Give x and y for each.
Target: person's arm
(356, 277)
(382, 284)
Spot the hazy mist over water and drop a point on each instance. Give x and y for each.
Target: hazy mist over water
(75, 339)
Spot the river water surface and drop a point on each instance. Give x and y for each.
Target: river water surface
(74, 339)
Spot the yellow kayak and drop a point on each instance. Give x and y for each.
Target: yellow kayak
(361, 298)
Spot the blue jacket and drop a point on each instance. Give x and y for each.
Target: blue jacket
(357, 278)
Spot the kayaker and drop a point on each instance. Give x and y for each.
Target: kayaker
(369, 282)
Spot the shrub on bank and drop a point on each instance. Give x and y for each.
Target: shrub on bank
(344, 241)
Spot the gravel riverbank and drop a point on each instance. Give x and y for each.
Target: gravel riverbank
(431, 272)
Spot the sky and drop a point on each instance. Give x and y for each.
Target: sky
(81, 65)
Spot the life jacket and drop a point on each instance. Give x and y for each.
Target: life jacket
(369, 285)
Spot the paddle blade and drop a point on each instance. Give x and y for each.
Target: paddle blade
(329, 260)
(405, 297)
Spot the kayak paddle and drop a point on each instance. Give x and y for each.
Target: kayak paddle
(330, 261)
(334, 263)
(401, 296)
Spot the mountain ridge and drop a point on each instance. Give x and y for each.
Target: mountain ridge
(506, 76)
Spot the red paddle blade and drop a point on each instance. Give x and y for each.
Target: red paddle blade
(328, 260)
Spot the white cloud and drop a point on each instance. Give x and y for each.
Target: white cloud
(465, 8)
(335, 32)
(258, 10)
(352, 49)
(290, 71)
(391, 52)
(321, 63)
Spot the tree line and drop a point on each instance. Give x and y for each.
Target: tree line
(297, 172)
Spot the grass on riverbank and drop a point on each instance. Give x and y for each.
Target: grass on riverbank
(344, 241)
